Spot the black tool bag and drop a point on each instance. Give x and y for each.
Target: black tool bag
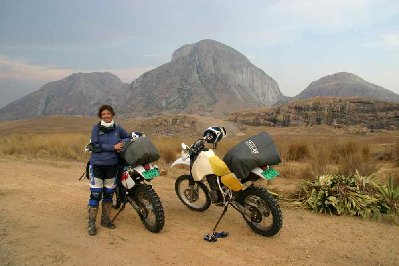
(140, 151)
(253, 152)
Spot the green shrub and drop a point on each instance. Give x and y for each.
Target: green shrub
(389, 194)
(349, 195)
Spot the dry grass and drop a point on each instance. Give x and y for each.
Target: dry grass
(319, 151)
(293, 170)
(59, 146)
(298, 152)
(351, 156)
(323, 157)
(169, 148)
(319, 160)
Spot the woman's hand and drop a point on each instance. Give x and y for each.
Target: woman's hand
(118, 147)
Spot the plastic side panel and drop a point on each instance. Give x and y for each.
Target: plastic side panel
(126, 180)
(232, 182)
(219, 167)
(201, 166)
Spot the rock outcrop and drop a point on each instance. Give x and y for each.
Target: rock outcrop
(345, 84)
(332, 111)
(207, 77)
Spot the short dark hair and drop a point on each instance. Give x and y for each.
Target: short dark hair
(106, 107)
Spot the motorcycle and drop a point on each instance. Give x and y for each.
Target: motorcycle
(211, 181)
(133, 187)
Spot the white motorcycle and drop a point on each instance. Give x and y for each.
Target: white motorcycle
(211, 181)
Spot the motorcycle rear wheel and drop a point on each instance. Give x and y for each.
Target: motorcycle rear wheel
(266, 217)
(195, 197)
(150, 207)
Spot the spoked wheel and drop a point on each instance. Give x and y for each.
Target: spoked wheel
(150, 208)
(265, 215)
(196, 196)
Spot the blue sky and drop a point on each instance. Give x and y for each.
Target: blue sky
(295, 42)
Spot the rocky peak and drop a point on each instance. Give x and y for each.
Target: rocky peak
(77, 94)
(345, 84)
(204, 77)
(208, 49)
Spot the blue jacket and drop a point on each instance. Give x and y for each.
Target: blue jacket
(104, 144)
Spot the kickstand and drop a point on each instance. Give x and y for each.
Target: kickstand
(221, 216)
(82, 176)
(121, 209)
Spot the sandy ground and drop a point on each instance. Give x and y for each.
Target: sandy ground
(43, 221)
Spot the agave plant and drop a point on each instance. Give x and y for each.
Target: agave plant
(348, 195)
(389, 194)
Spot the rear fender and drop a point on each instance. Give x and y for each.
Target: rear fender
(258, 171)
(139, 169)
(270, 173)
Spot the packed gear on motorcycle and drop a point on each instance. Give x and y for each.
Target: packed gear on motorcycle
(139, 151)
(250, 153)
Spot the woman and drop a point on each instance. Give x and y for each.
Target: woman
(106, 141)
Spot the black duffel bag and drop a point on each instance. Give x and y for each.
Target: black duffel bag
(253, 152)
(139, 151)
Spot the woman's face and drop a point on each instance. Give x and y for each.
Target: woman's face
(106, 116)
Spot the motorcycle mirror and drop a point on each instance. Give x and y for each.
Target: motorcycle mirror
(184, 146)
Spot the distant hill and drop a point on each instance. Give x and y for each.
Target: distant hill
(77, 94)
(333, 111)
(206, 77)
(345, 84)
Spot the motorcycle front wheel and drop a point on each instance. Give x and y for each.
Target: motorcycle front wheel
(195, 197)
(266, 218)
(150, 207)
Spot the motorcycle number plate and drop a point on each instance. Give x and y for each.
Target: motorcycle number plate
(270, 174)
(150, 174)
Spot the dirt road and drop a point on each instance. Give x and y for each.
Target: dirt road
(43, 221)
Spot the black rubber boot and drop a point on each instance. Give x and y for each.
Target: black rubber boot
(91, 228)
(105, 213)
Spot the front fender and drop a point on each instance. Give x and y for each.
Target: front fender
(184, 161)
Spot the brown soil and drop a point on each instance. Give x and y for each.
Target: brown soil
(43, 221)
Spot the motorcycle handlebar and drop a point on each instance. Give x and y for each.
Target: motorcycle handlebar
(199, 145)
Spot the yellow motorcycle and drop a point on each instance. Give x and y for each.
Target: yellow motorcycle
(211, 181)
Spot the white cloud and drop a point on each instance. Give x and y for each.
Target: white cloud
(285, 20)
(387, 41)
(19, 70)
(11, 69)
(334, 15)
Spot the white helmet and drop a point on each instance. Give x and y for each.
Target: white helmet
(214, 134)
(136, 135)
